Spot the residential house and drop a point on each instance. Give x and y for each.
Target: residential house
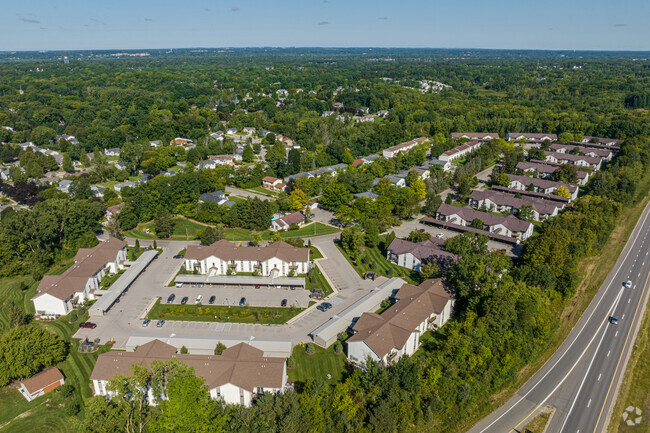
(327, 114)
(460, 151)
(113, 151)
(474, 136)
(65, 137)
(525, 193)
(41, 383)
(121, 165)
(396, 332)
(395, 179)
(231, 131)
(273, 183)
(249, 130)
(285, 222)
(218, 197)
(363, 119)
(508, 225)
(579, 160)
(237, 376)
(499, 201)
(64, 186)
(392, 151)
(112, 211)
(59, 294)
(541, 185)
(180, 141)
(413, 255)
(589, 144)
(368, 194)
(154, 144)
(118, 186)
(530, 137)
(446, 165)
(223, 257)
(98, 190)
(337, 106)
(332, 169)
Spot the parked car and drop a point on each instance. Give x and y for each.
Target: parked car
(293, 287)
(179, 256)
(257, 286)
(184, 300)
(613, 320)
(87, 325)
(146, 322)
(171, 298)
(283, 303)
(160, 323)
(200, 285)
(179, 285)
(440, 235)
(242, 302)
(198, 299)
(327, 305)
(321, 308)
(212, 299)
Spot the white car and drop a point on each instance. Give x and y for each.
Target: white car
(440, 235)
(628, 284)
(198, 299)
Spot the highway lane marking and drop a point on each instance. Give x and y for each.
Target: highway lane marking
(599, 376)
(622, 352)
(593, 358)
(608, 352)
(616, 335)
(589, 404)
(570, 345)
(629, 299)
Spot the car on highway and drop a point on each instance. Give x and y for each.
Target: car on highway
(160, 323)
(87, 325)
(242, 302)
(146, 322)
(628, 284)
(184, 300)
(212, 299)
(198, 299)
(283, 303)
(613, 320)
(171, 298)
(179, 256)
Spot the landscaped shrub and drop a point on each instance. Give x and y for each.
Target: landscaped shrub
(66, 390)
(338, 348)
(184, 350)
(72, 317)
(310, 349)
(220, 348)
(291, 363)
(72, 408)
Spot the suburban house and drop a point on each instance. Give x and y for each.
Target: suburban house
(530, 137)
(395, 180)
(218, 197)
(392, 151)
(525, 193)
(545, 170)
(154, 143)
(223, 258)
(284, 222)
(118, 186)
(41, 383)
(367, 194)
(64, 185)
(589, 144)
(508, 225)
(332, 169)
(396, 332)
(327, 113)
(59, 294)
(112, 211)
(113, 151)
(541, 185)
(98, 190)
(499, 201)
(569, 158)
(460, 151)
(480, 136)
(273, 183)
(413, 254)
(237, 376)
(607, 154)
(180, 141)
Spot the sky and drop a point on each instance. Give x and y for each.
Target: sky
(496, 24)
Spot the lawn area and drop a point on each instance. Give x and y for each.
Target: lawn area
(310, 230)
(262, 191)
(220, 313)
(20, 291)
(318, 281)
(184, 229)
(372, 260)
(42, 414)
(314, 253)
(538, 423)
(320, 364)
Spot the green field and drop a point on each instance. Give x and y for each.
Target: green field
(10, 290)
(220, 313)
(381, 265)
(318, 281)
(314, 253)
(318, 365)
(262, 191)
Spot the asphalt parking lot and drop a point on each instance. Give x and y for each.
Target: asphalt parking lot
(231, 296)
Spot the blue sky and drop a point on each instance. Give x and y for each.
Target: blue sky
(526, 24)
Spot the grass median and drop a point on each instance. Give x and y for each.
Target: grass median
(220, 313)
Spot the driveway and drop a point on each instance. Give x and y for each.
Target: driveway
(243, 193)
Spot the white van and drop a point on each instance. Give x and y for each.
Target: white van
(198, 299)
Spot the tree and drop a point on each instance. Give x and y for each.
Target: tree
(67, 163)
(526, 212)
(248, 155)
(136, 248)
(297, 199)
(26, 349)
(429, 270)
(184, 350)
(503, 180)
(419, 189)
(17, 316)
(448, 199)
(411, 177)
(566, 173)
(477, 224)
(563, 191)
(431, 205)
(102, 416)
(418, 236)
(536, 153)
(218, 350)
(113, 227)
(352, 240)
(371, 228)
(208, 236)
(335, 196)
(257, 237)
(163, 223)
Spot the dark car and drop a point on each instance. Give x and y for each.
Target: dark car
(613, 320)
(184, 300)
(146, 322)
(171, 298)
(327, 305)
(160, 323)
(283, 303)
(87, 325)
(293, 287)
(211, 300)
(179, 256)
(242, 302)
(321, 308)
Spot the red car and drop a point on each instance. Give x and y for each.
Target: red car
(88, 325)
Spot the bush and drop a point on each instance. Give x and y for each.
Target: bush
(310, 349)
(72, 317)
(291, 363)
(338, 348)
(66, 390)
(184, 350)
(72, 408)
(220, 348)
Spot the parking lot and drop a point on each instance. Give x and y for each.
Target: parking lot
(231, 296)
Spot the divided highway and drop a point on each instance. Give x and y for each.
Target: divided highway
(581, 379)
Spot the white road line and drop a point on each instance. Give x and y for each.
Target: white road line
(589, 404)
(599, 376)
(608, 352)
(593, 358)
(623, 316)
(616, 335)
(629, 299)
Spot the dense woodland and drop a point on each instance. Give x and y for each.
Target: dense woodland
(506, 310)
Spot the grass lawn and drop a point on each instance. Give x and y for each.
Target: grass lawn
(262, 191)
(538, 423)
(318, 281)
(381, 265)
(314, 253)
(320, 364)
(220, 313)
(42, 414)
(183, 230)
(310, 230)
(11, 290)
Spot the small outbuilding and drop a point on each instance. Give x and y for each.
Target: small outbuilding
(41, 383)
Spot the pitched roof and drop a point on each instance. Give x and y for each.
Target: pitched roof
(87, 262)
(541, 183)
(474, 135)
(500, 198)
(42, 379)
(571, 157)
(407, 144)
(462, 147)
(292, 218)
(215, 196)
(532, 135)
(392, 328)
(228, 251)
(270, 179)
(241, 365)
(469, 214)
(428, 250)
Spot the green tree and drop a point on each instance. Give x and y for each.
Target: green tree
(526, 212)
(218, 350)
(163, 223)
(208, 236)
(297, 199)
(249, 154)
(431, 205)
(429, 270)
(67, 163)
(257, 237)
(335, 196)
(477, 224)
(563, 191)
(102, 416)
(503, 180)
(418, 236)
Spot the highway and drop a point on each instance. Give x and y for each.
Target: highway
(580, 381)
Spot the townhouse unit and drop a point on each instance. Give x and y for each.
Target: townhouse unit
(600, 140)
(480, 136)
(460, 151)
(589, 144)
(332, 169)
(225, 258)
(569, 158)
(525, 193)
(508, 225)
(531, 137)
(499, 201)
(541, 185)
(605, 154)
(545, 170)
(59, 294)
(237, 376)
(392, 151)
(412, 255)
(396, 332)
(273, 183)
(285, 222)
